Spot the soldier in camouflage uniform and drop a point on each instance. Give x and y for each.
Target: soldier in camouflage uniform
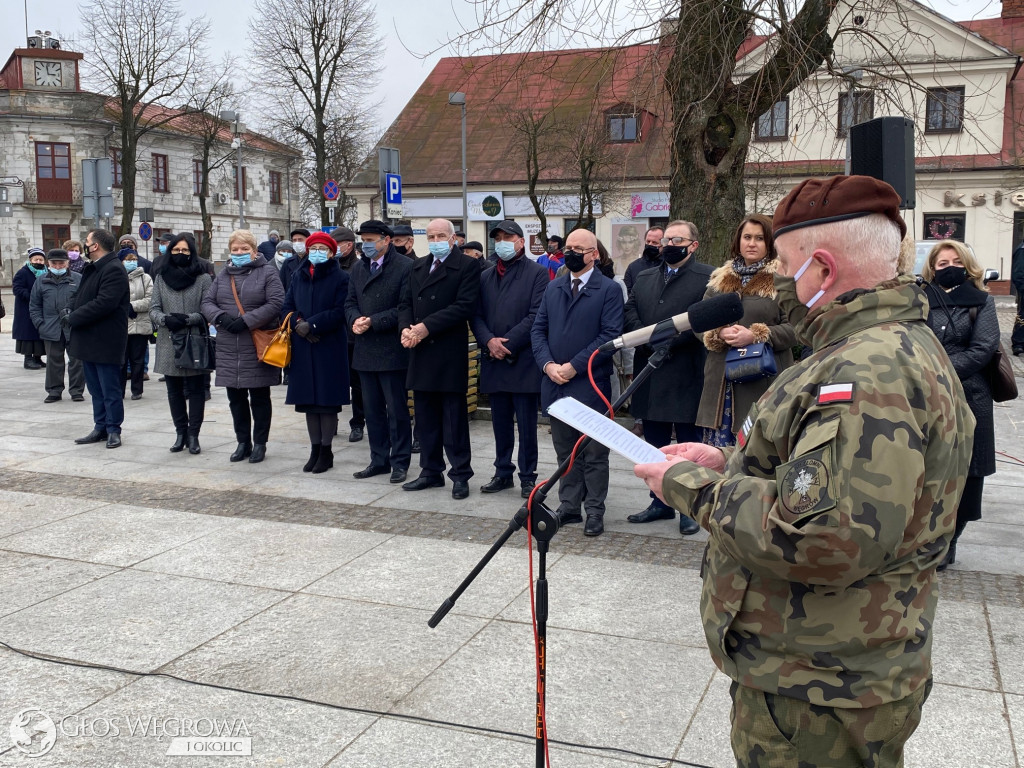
(829, 518)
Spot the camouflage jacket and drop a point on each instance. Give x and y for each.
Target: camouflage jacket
(835, 508)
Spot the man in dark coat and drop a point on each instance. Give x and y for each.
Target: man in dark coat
(439, 300)
(348, 258)
(510, 295)
(404, 240)
(651, 256)
(268, 248)
(1017, 278)
(98, 319)
(579, 312)
(377, 283)
(669, 398)
(298, 237)
(51, 294)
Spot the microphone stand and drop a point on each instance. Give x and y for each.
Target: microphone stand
(543, 527)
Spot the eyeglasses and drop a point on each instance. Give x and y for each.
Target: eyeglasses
(319, 249)
(583, 251)
(676, 240)
(180, 252)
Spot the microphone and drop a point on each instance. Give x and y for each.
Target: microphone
(724, 309)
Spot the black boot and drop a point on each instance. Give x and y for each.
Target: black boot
(242, 451)
(326, 460)
(314, 454)
(192, 440)
(31, 363)
(179, 443)
(259, 453)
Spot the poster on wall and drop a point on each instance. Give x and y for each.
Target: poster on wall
(945, 226)
(485, 206)
(627, 242)
(649, 205)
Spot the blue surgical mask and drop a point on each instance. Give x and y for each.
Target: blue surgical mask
(240, 259)
(58, 272)
(370, 250)
(130, 265)
(505, 249)
(439, 250)
(318, 257)
(285, 254)
(163, 249)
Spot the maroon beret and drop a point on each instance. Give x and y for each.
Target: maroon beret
(837, 198)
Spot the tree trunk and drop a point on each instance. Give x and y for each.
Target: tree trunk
(206, 248)
(129, 168)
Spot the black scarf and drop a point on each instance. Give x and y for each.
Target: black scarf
(967, 294)
(180, 278)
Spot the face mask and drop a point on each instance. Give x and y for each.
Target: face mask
(951, 277)
(163, 249)
(74, 255)
(180, 259)
(673, 254)
(39, 269)
(574, 260)
(785, 295)
(651, 252)
(274, 238)
(299, 248)
(505, 249)
(282, 255)
(370, 250)
(240, 259)
(318, 257)
(130, 265)
(440, 250)
(552, 248)
(403, 249)
(58, 272)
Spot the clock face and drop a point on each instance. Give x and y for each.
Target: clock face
(48, 73)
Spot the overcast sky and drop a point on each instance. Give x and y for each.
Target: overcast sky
(422, 25)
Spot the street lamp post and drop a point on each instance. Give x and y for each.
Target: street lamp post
(236, 144)
(458, 98)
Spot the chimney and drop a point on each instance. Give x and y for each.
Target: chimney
(1013, 9)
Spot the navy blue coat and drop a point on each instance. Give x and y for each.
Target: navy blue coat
(568, 331)
(507, 309)
(21, 286)
(99, 313)
(318, 374)
(377, 297)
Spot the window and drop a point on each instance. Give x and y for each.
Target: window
(53, 172)
(115, 161)
(275, 187)
(160, 173)
(861, 110)
(623, 128)
(944, 112)
(54, 235)
(197, 177)
(245, 185)
(773, 125)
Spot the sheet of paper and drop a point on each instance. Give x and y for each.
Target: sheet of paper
(604, 430)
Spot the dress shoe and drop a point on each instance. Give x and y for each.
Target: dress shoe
(460, 489)
(114, 440)
(416, 446)
(1018, 351)
(654, 512)
(137, 396)
(497, 484)
(241, 452)
(259, 453)
(528, 486)
(422, 482)
(162, 378)
(594, 526)
(568, 517)
(96, 436)
(145, 377)
(688, 526)
(192, 441)
(371, 471)
(52, 399)
(314, 454)
(355, 435)
(398, 475)
(179, 443)
(77, 398)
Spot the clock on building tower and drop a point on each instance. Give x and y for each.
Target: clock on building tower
(47, 73)
(41, 69)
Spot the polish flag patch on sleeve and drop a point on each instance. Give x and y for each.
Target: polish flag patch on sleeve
(835, 393)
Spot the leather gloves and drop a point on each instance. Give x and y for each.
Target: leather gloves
(235, 325)
(175, 322)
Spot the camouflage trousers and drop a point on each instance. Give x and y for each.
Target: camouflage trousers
(770, 731)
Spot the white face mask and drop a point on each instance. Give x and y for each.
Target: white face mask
(299, 248)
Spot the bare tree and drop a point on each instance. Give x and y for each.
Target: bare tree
(593, 158)
(147, 60)
(314, 59)
(535, 133)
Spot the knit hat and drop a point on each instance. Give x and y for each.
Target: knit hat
(321, 238)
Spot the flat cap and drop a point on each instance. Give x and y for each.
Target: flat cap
(166, 237)
(459, 233)
(837, 198)
(57, 254)
(343, 235)
(473, 245)
(508, 227)
(374, 227)
(402, 230)
(299, 231)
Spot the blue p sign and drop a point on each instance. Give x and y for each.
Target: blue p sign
(393, 182)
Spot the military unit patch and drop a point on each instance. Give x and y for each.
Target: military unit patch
(805, 488)
(835, 393)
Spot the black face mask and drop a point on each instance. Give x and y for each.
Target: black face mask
(951, 277)
(574, 260)
(180, 259)
(673, 254)
(402, 249)
(651, 252)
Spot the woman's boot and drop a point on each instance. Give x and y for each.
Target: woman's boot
(192, 440)
(179, 443)
(314, 454)
(326, 460)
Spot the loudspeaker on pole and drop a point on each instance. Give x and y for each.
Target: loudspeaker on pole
(883, 148)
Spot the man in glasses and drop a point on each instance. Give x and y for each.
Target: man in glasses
(649, 257)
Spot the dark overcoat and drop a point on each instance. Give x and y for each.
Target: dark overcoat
(261, 294)
(99, 313)
(318, 374)
(377, 297)
(672, 393)
(22, 329)
(568, 330)
(507, 308)
(444, 301)
(970, 347)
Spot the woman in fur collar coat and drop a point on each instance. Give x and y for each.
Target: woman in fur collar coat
(750, 272)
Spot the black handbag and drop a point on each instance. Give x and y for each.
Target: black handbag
(750, 363)
(194, 350)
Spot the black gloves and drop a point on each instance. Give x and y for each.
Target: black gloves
(131, 312)
(235, 325)
(175, 322)
(302, 328)
(65, 318)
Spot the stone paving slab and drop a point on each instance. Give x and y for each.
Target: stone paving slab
(962, 727)
(23, 511)
(29, 579)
